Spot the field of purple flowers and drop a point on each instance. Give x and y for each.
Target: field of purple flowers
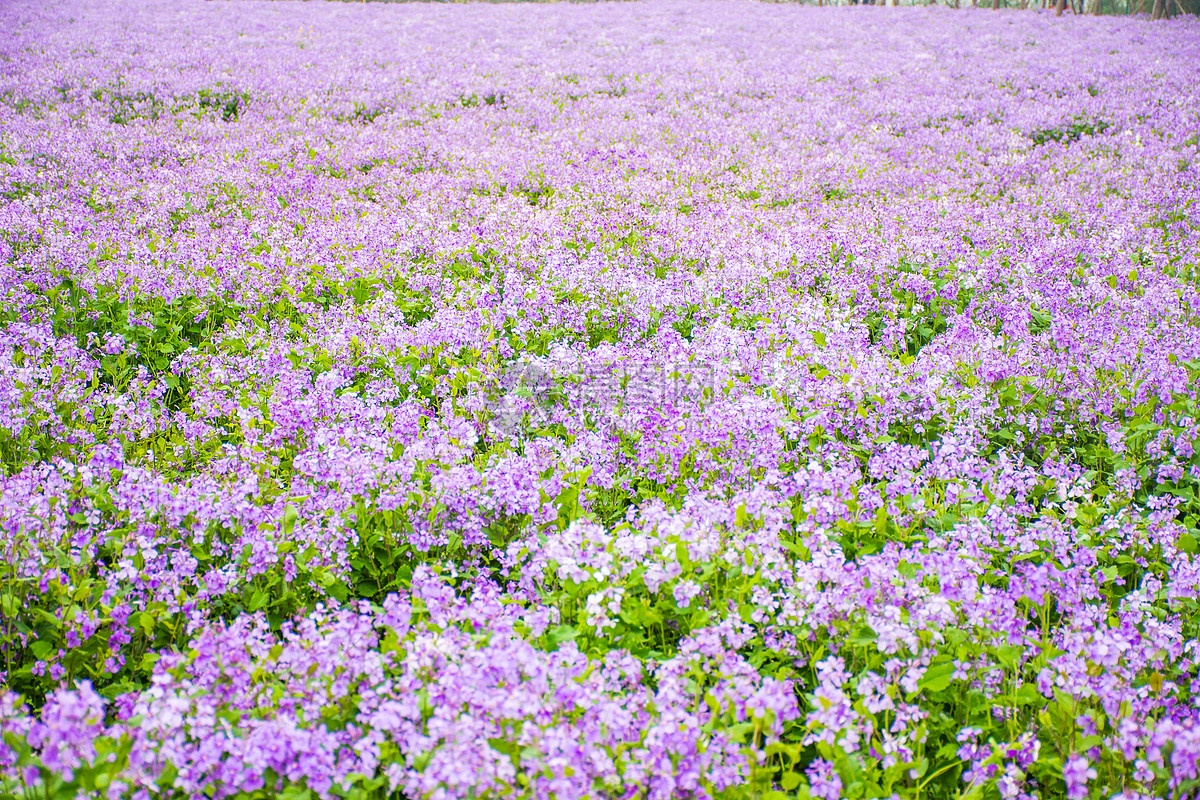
(644, 401)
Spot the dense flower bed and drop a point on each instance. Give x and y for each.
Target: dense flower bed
(657, 400)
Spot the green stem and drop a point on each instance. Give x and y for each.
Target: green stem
(940, 772)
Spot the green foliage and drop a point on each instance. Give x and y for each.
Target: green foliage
(42, 612)
(831, 193)
(125, 106)
(94, 777)
(923, 315)
(19, 190)
(362, 114)
(475, 100)
(155, 330)
(229, 103)
(1070, 132)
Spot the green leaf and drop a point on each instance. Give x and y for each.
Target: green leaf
(511, 749)
(937, 678)
(563, 633)
(290, 515)
(257, 600)
(650, 617)
(1028, 695)
(1009, 655)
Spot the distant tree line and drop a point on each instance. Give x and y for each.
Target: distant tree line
(1155, 9)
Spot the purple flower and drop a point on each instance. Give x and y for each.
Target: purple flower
(1077, 772)
(65, 735)
(823, 780)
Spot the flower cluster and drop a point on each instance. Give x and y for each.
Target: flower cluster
(657, 400)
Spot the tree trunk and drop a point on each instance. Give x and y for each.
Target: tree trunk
(1157, 12)
(995, 5)
(1062, 6)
